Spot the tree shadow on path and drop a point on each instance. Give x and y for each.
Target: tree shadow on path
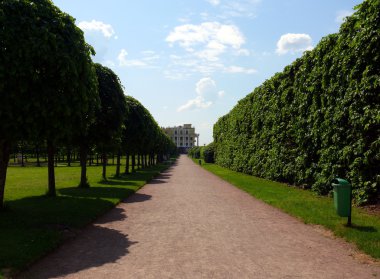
(95, 247)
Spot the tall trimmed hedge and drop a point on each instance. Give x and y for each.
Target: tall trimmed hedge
(318, 119)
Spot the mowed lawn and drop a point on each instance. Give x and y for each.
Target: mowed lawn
(308, 207)
(34, 224)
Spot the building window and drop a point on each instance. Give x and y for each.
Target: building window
(187, 132)
(176, 138)
(187, 144)
(187, 138)
(191, 138)
(175, 132)
(180, 132)
(191, 144)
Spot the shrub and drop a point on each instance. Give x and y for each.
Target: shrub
(318, 119)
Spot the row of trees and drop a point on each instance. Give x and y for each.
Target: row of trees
(318, 119)
(51, 93)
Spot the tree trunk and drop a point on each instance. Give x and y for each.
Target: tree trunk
(68, 157)
(104, 163)
(51, 178)
(22, 157)
(4, 159)
(38, 156)
(133, 162)
(83, 161)
(139, 163)
(126, 163)
(118, 164)
(56, 160)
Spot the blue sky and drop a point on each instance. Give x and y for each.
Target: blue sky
(191, 61)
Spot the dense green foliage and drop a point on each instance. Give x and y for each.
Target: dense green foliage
(195, 152)
(311, 209)
(106, 130)
(318, 119)
(142, 136)
(208, 153)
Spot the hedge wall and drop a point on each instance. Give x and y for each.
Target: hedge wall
(318, 119)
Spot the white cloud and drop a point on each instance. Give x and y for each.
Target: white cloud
(341, 15)
(206, 93)
(237, 69)
(198, 102)
(146, 61)
(109, 63)
(239, 8)
(205, 45)
(293, 43)
(214, 2)
(98, 26)
(182, 67)
(242, 52)
(207, 34)
(207, 41)
(205, 85)
(148, 52)
(123, 61)
(221, 93)
(122, 57)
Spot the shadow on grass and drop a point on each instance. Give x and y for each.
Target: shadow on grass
(118, 183)
(42, 211)
(33, 226)
(363, 228)
(94, 248)
(97, 192)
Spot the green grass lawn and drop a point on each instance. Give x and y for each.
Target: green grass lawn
(34, 224)
(308, 207)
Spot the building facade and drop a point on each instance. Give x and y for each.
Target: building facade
(184, 136)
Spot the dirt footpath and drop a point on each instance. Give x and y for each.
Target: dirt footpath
(188, 223)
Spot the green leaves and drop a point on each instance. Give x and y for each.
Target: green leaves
(317, 119)
(48, 84)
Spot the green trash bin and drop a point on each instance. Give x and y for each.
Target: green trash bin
(342, 197)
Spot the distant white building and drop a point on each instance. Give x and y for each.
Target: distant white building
(184, 136)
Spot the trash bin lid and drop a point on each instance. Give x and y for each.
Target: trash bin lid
(340, 181)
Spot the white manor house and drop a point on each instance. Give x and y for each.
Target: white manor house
(184, 136)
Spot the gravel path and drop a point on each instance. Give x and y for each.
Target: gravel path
(188, 223)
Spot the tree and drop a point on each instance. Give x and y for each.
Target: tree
(109, 117)
(140, 133)
(48, 86)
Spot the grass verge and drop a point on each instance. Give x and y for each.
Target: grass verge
(307, 206)
(34, 224)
